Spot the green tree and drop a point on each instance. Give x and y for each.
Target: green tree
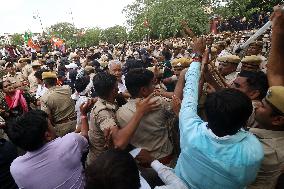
(91, 37)
(114, 35)
(66, 31)
(17, 39)
(164, 17)
(245, 7)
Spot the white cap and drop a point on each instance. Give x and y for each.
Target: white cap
(71, 66)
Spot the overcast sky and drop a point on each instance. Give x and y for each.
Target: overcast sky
(16, 16)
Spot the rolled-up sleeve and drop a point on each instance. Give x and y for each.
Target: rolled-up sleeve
(168, 177)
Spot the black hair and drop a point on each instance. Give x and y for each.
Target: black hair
(113, 169)
(9, 65)
(38, 74)
(256, 81)
(131, 64)
(50, 81)
(104, 83)
(227, 111)
(27, 131)
(136, 79)
(72, 75)
(81, 83)
(167, 55)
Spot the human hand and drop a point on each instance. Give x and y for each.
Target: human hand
(158, 92)
(87, 106)
(144, 157)
(199, 45)
(176, 103)
(148, 104)
(205, 58)
(277, 17)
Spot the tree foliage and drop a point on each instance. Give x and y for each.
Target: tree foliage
(91, 37)
(75, 37)
(245, 7)
(114, 35)
(164, 17)
(65, 31)
(17, 39)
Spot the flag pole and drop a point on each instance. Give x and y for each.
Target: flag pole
(38, 15)
(71, 13)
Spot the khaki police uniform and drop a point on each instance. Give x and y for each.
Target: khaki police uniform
(273, 163)
(251, 63)
(230, 59)
(102, 117)
(33, 83)
(152, 132)
(58, 104)
(27, 70)
(32, 79)
(273, 144)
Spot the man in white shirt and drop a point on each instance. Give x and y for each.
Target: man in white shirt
(115, 68)
(41, 89)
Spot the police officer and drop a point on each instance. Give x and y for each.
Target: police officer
(57, 103)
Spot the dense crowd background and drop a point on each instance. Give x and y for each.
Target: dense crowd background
(189, 112)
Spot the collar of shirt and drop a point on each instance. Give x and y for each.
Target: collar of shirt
(108, 105)
(231, 75)
(226, 139)
(267, 134)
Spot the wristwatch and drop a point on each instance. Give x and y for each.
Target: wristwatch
(196, 57)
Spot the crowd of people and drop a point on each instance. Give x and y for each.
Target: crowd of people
(183, 113)
(243, 23)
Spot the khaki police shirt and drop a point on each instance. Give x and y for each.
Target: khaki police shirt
(33, 82)
(102, 117)
(57, 102)
(27, 70)
(273, 162)
(152, 132)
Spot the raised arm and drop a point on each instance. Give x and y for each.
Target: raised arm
(190, 93)
(85, 108)
(275, 66)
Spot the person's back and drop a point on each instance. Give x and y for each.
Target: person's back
(152, 134)
(49, 162)
(217, 154)
(57, 103)
(58, 100)
(55, 165)
(213, 162)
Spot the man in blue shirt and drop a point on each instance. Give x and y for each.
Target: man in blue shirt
(218, 154)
